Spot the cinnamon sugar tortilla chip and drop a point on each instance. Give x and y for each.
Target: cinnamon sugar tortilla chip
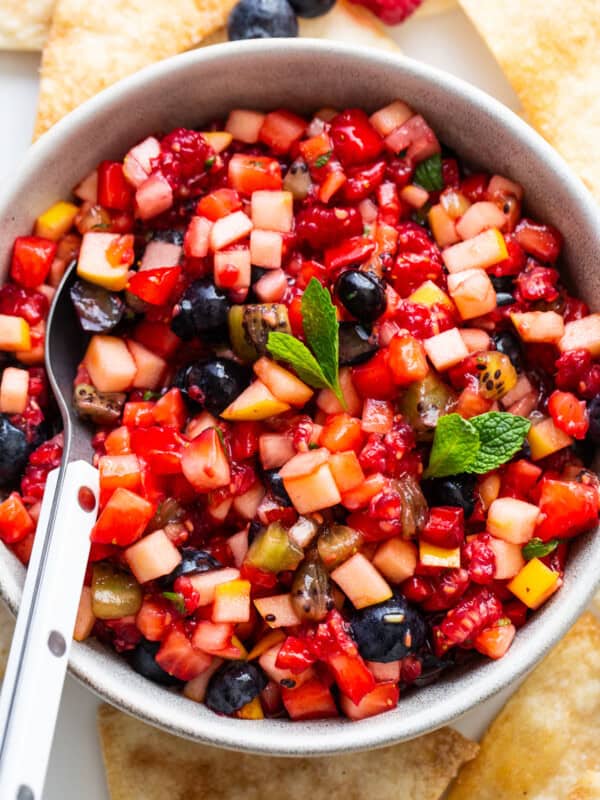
(93, 44)
(24, 23)
(143, 763)
(550, 53)
(545, 743)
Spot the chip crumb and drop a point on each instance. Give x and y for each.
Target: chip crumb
(144, 763)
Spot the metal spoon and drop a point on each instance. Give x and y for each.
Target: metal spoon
(40, 647)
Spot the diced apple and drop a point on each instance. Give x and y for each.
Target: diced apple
(238, 544)
(232, 602)
(277, 611)
(271, 287)
(390, 117)
(472, 292)
(535, 583)
(268, 662)
(219, 510)
(272, 210)
(196, 688)
(97, 264)
(218, 140)
(151, 557)
(282, 383)
(205, 583)
(56, 220)
(229, 229)
(305, 463)
(361, 582)
(110, 364)
(34, 340)
(475, 339)
(414, 195)
(87, 190)
(489, 489)
(137, 164)
(266, 248)
(244, 125)
(255, 403)
(233, 269)
(205, 463)
(85, 620)
(346, 470)
(482, 251)
(539, 326)
(246, 505)
(14, 390)
(442, 226)
(512, 520)
(416, 137)
(210, 637)
(582, 334)
(150, 368)
(479, 217)
(328, 402)
(499, 185)
(508, 558)
(309, 482)
(545, 438)
(446, 349)
(161, 254)
(396, 559)
(275, 450)
(197, 237)
(430, 555)
(153, 197)
(429, 293)
(520, 390)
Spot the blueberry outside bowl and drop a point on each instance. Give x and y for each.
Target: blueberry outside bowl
(304, 75)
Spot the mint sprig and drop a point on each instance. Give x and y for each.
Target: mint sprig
(428, 174)
(477, 445)
(317, 364)
(177, 600)
(536, 548)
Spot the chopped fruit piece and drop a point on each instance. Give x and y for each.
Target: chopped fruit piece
(15, 334)
(232, 602)
(153, 556)
(390, 117)
(244, 125)
(205, 463)
(539, 326)
(582, 334)
(446, 349)
(86, 619)
(177, 657)
(567, 508)
(512, 520)
(431, 555)
(15, 521)
(150, 368)
(480, 252)
(277, 611)
(283, 384)
(442, 227)
(123, 519)
(218, 140)
(119, 471)
(428, 294)
(229, 229)
(535, 583)
(266, 249)
(232, 269)
(416, 137)
(508, 558)
(479, 217)
(341, 432)
(197, 237)
(472, 292)
(268, 661)
(396, 559)
(110, 364)
(195, 689)
(545, 438)
(361, 582)
(497, 376)
(346, 470)
(56, 221)
(568, 413)
(153, 197)
(495, 641)
(14, 390)
(475, 339)
(248, 174)
(407, 359)
(382, 698)
(445, 527)
(252, 710)
(255, 403)
(311, 700)
(31, 260)
(154, 286)
(272, 211)
(205, 583)
(105, 259)
(309, 483)
(281, 129)
(329, 403)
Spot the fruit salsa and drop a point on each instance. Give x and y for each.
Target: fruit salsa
(343, 409)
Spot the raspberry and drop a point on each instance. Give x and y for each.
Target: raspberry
(437, 593)
(572, 369)
(18, 302)
(537, 283)
(322, 227)
(574, 309)
(182, 159)
(463, 622)
(474, 187)
(450, 173)
(479, 560)
(400, 171)
(191, 598)
(413, 269)
(392, 12)
(243, 477)
(373, 456)
(412, 238)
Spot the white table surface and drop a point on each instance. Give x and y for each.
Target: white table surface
(448, 41)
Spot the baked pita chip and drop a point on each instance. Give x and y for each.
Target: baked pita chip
(24, 24)
(94, 44)
(545, 743)
(143, 763)
(549, 51)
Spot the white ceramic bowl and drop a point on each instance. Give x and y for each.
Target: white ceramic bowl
(304, 75)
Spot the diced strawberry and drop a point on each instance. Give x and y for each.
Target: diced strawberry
(114, 190)
(354, 139)
(281, 129)
(567, 508)
(445, 526)
(179, 658)
(154, 286)
(123, 519)
(384, 697)
(470, 616)
(311, 700)
(495, 640)
(31, 260)
(154, 617)
(15, 521)
(569, 414)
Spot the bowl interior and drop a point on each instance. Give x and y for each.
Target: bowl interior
(304, 75)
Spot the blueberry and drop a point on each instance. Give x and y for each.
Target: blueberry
(13, 451)
(362, 294)
(262, 19)
(192, 562)
(508, 343)
(457, 490)
(503, 283)
(143, 660)
(254, 529)
(504, 299)
(594, 413)
(202, 309)
(311, 8)
(274, 484)
(432, 668)
(213, 384)
(389, 631)
(170, 235)
(234, 685)
(357, 345)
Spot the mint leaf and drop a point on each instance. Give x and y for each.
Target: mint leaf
(320, 325)
(150, 395)
(322, 160)
(177, 600)
(285, 347)
(535, 548)
(428, 174)
(455, 447)
(501, 435)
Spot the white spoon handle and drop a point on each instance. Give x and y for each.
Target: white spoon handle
(39, 652)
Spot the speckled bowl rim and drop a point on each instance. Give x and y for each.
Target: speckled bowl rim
(459, 692)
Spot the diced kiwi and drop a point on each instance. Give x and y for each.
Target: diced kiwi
(250, 325)
(272, 550)
(102, 408)
(311, 590)
(115, 594)
(297, 180)
(424, 402)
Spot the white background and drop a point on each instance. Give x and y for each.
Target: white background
(448, 41)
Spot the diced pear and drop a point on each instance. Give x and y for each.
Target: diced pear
(472, 292)
(95, 265)
(512, 520)
(582, 334)
(482, 251)
(446, 349)
(150, 367)
(361, 582)
(284, 385)
(255, 403)
(539, 326)
(110, 364)
(545, 438)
